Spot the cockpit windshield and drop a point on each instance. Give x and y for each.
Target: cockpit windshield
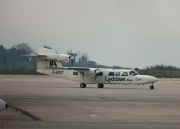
(133, 73)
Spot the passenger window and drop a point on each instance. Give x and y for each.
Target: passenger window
(111, 74)
(118, 74)
(125, 74)
(75, 73)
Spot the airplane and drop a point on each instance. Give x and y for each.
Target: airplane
(49, 63)
(3, 105)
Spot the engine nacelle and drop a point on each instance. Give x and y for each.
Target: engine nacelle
(57, 57)
(92, 71)
(3, 105)
(64, 58)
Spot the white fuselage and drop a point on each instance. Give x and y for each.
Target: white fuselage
(107, 76)
(49, 62)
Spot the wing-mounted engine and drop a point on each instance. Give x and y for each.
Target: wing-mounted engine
(3, 105)
(97, 73)
(93, 72)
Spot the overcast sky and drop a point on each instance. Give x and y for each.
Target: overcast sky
(129, 33)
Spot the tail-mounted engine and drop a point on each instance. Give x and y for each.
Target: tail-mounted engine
(65, 58)
(51, 55)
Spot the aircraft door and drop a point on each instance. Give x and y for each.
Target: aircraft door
(75, 76)
(80, 78)
(99, 77)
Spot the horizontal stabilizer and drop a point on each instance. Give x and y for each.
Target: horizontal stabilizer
(41, 55)
(34, 55)
(30, 55)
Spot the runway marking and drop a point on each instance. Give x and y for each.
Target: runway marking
(25, 113)
(106, 98)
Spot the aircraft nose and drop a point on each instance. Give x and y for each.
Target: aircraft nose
(154, 79)
(147, 78)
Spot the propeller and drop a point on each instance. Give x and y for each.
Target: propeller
(72, 57)
(97, 72)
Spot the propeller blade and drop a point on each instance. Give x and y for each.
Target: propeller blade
(72, 62)
(97, 72)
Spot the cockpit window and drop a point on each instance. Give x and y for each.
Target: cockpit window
(133, 73)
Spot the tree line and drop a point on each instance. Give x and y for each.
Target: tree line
(12, 62)
(161, 71)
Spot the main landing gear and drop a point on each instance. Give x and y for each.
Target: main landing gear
(83, 85)
(100, 85)
(152, 87)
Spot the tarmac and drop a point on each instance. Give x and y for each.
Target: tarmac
(44, 102)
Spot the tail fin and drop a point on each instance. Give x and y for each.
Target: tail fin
(46, 58)
(45, 64)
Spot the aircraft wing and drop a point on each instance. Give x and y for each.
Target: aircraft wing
(79, 69)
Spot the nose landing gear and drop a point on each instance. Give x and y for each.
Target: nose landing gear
(152, 87)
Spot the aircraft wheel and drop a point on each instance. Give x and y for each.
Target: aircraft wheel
(100, 85)
(82, 85)
(151, 87)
